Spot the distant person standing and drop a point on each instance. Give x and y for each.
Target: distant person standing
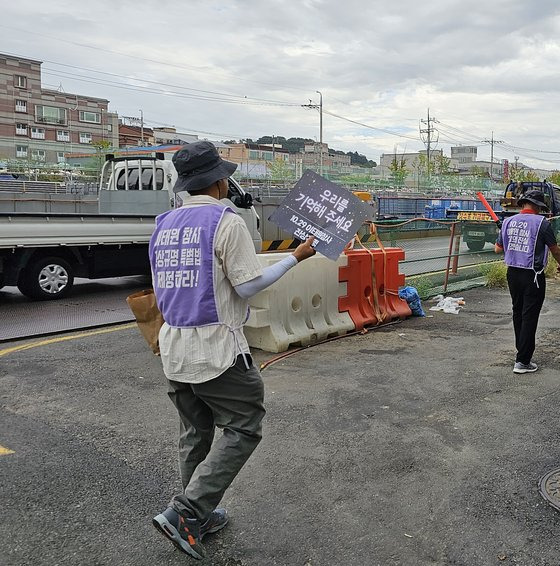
(205, 268)
(526, 238)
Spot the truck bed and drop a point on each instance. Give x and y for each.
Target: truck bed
(20, 230)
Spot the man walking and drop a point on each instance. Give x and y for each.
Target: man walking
(205, 268)
(526, 239)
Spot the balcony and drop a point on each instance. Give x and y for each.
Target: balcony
(49, 120)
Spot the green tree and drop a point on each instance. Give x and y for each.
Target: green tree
(555, 177)
(518, 174)
(425, 168)
(279, 170)
(102, 148)
(442, 164)
(478, 172)
(398, 170)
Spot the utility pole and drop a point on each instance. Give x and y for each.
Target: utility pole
(428, 131)
(320, 108)
(492, 141)
(320, 132)
(141, 127)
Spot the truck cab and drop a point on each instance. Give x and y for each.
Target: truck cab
(143, 184)
(516, 189)
(477, 226)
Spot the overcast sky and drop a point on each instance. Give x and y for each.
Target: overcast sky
(478, 67)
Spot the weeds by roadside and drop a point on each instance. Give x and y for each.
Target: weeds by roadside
(495, 274)
(422, 284)
(550, 271)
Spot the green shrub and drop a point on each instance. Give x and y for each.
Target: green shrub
(495, 273)
(551, 268)
(422, 284)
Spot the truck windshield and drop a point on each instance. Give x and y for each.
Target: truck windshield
(133, 179)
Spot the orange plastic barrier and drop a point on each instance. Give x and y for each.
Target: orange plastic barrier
(365, 303)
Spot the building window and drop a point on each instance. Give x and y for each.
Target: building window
(50, 115)
(38, 154)
(109, 127)
(85, 137)
(20, 81)
(21, 106)
(21, 129)
(62, 135)
(92, 117)
(60, 157)
(21, 151)
(38, 133)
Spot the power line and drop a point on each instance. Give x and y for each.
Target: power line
(145, 59)
(370, 127)
(147, 90)
(143, 80)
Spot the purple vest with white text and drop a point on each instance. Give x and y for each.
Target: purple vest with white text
(182, 259)
(519, 234)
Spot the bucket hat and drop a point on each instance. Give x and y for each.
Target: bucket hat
(535, 197)
(199, 165)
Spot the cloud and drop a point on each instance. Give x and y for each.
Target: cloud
(380, 63)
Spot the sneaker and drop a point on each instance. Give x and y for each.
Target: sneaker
(217, 521)
(183, 532)
(525, 368)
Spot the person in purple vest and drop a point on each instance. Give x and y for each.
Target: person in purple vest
(204, 269)
(526, 239)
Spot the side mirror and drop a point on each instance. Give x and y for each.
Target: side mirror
(247, 200)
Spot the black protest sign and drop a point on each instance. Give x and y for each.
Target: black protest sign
(320, 208)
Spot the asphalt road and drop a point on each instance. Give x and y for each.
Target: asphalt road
(91, 303)
(411, 445)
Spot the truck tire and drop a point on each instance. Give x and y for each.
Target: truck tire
(475, 246)
(47, 279)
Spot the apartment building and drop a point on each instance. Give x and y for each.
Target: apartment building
(252, 153)
(169, 135)
(42, 125)
(132, 136)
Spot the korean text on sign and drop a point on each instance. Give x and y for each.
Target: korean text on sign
(178, 266)
(330, 204)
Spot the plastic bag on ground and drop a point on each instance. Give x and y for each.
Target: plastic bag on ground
(410, 295)
(450, 305)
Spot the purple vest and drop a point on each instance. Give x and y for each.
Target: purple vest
(519, 234)
(182, 259)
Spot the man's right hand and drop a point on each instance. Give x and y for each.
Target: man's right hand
(305, 250)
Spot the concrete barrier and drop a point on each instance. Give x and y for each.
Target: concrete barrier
(299, 309)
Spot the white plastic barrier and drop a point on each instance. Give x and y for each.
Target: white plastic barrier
(300, 308)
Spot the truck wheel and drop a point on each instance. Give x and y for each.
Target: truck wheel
(47, 279)
(475, 246)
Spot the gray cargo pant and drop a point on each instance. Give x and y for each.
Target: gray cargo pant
(233, 402)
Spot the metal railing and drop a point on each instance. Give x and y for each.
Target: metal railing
(437, 258)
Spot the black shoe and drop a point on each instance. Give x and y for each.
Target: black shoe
(183, 532)
(217, 521)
